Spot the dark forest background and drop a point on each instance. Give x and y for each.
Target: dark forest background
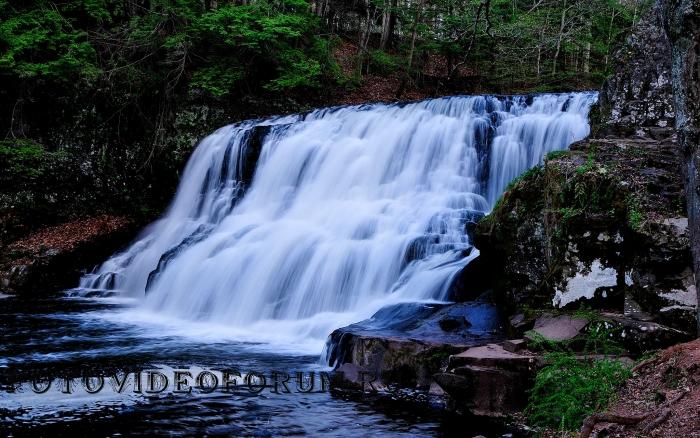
(101, 101)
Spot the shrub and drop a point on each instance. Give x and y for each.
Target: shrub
(568, 390)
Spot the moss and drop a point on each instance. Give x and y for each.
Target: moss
(556, 154)
(635, 217)
(590, 164)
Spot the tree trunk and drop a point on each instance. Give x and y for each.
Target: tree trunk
(419, 11)
(561, 36)
(364, 35)
(541, 43)
(609, 42)
(683, 27)
(388, 23)
(587, 50)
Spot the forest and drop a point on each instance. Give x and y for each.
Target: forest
(128, 86)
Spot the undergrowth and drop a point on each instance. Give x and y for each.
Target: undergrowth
(572, 386)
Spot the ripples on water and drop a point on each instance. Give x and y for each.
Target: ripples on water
(59, 337)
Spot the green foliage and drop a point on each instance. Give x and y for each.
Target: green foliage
(635, 217)
(279, 38)
(40, 42)
(590, 165)
(272, 45)
(216, 80)
(569, 389)
(556, 154)
(545, 45)
(533, 172)
(383, 63)
(21, 159)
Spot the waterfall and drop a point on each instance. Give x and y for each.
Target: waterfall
(297, 225)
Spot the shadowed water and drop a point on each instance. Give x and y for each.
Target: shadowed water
(57, 338)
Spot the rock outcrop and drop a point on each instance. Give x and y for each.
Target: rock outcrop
(602, 225)
(406, 344)
(635, 99)
(605, 225)
(683, 28)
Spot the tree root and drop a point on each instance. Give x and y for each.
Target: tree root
(630, 420)
(594, 419)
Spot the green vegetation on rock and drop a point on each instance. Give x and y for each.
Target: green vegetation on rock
(574, 385)
(568, 390)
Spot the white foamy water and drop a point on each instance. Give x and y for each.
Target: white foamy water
(349, 209)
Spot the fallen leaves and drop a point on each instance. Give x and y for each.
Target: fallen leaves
(67, 236)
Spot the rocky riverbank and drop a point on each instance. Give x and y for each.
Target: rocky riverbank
(596, 240)
(54, 258)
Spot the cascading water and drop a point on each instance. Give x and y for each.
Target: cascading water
(294, 226)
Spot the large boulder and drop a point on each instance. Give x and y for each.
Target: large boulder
(489, 380)
(603, 225)
(405, 344)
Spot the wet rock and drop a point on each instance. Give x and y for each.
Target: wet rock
(470, 282)
(405, 344)
(448, 323)
(250, 152)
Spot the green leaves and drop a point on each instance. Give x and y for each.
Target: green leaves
(270, 44)
(570, 389)
(40, 42)
(217, 80)
(264, 45)
(572, 386)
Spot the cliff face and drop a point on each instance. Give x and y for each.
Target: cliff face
(635, 99)
(683, 28)
(605, 225)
